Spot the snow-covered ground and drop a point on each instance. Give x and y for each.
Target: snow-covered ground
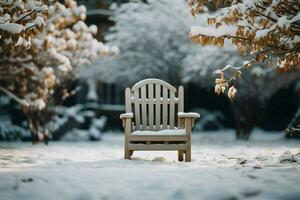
(221, 168)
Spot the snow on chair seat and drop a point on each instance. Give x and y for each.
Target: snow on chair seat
(155, 119)
(161, 132)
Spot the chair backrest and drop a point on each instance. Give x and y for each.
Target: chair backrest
(154, 104)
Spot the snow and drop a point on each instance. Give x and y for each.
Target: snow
(30, 5)
(115, 50)
(7, 2)
(65, 62)
(287, 157)
(12, 27)
(210, 120)
(4, 18)
(42, 8)
(10, 131)
(285, 22)
(93, 29)
(221, 168)
(161, 132)
(47, 70)
(258, 71)
(264, 32)
(223, 30)
(126, 115)
(92, 91)
(189, 114)
(249, 3)
(20, 41)
(39, 21)
(39, 104)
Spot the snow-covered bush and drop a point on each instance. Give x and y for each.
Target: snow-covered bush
(77, 122)
(264, 30)
(34, 64)
(153, 40)
(210, 120)
(10, 131)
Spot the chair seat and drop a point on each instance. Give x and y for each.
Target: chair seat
(167, 132)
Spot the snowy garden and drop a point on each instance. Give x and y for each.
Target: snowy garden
(148, 99)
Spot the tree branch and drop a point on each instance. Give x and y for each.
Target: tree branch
(23, 102)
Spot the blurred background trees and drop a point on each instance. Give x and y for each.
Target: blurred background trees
(149, 47)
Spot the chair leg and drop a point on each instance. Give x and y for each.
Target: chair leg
(188, 156)
(188, 153)
(126, 154)
(180, 155)
(126, 151)
(130, 152)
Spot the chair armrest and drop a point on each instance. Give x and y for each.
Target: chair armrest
(126, 115)
(188, 115)
(187, 120)
(126, 119)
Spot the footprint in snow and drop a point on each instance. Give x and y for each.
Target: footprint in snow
(27, 180)
(241, 161)
(159, 159)
(288, 157)
(28, 161)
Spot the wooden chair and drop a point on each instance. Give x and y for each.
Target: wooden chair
(155, 120)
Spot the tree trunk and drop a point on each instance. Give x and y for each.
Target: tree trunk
(246, 115)
(36, 123)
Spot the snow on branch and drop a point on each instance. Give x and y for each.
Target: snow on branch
(264, 30)
(213, 32)
(17, 16)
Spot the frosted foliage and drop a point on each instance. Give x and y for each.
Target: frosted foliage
(268, 28)
(153, 39)
(63, 43)
(259, 82)
(203, 65)
(20, 19)
(264, 30)
(44, 46)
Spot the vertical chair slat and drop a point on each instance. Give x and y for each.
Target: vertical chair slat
(180, 102)
(165, 107)
(151, 111)
(137, 109)
(157, 106)
(180, 99)
(128, 100)
(144, 108)
(172, 109)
